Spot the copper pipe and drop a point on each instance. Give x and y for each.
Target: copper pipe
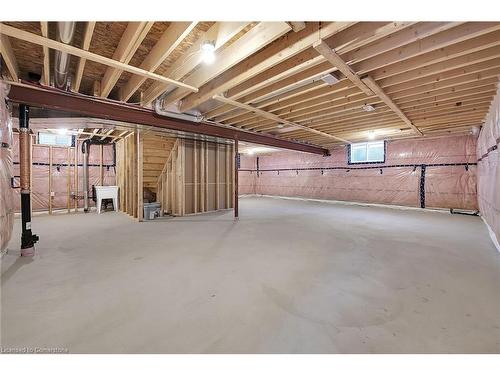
(24, 158)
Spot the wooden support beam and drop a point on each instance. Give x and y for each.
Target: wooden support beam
(330, 55)
(8, 57)
(87, 38)
(297, 25)
(140, 174)
(276, 118)
(44, 27)
(370, 82)
(40, 40)
(168, 42)
(130, 41)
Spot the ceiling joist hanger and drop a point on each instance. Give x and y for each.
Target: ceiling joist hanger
(366, 84)
(274, 117)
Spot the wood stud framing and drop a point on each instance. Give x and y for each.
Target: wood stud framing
(197, 178)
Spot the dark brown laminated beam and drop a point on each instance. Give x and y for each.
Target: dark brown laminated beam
(102, 108)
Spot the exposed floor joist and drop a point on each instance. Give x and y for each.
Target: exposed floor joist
(168, 42)
(87, 38)
(221, 33)
(128, 45)
(36, 39)
(8, 57)
(44, 27)
(275, 118)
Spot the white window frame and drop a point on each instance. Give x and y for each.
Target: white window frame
(70, 137)
(366, 145)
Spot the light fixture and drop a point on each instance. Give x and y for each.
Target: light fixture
(371, 134)
(208, 51)
(62, 131)
(368, 108)
(280, 126)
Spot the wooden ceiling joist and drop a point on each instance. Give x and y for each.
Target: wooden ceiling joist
(168, 42)
(87, 38)
(297, 25)
(44, 27)
(252, 41)
(8, 57)
(130, 41)
(271, 55)
(275, 118)
(220, 32)
(370, 82)
(37, 39)
(330, 55)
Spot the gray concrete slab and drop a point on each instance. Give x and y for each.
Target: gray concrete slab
(288, 277)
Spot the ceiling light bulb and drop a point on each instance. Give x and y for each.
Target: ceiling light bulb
(208, 52)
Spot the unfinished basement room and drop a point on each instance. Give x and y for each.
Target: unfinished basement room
(173, 187)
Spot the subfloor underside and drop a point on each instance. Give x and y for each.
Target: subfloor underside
(288, 277)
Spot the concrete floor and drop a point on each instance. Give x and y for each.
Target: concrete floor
(288, 277)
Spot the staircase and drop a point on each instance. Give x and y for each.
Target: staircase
(156, 151)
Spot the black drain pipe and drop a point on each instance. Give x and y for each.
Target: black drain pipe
(28, 239)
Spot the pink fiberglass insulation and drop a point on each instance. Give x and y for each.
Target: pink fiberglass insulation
(246, 181)
(445, 186)
(488, 184)
(6, 192)
(59, 175)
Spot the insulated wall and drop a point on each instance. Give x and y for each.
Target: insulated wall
(438, 172)
(56, 182)
(6, 192)
(488, 183)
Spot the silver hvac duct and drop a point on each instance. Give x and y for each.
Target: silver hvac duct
(194, 116)
(65, 31)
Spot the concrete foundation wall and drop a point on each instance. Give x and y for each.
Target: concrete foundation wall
(397, 181)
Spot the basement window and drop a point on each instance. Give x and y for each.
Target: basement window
(51, 139)
(366, 152)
